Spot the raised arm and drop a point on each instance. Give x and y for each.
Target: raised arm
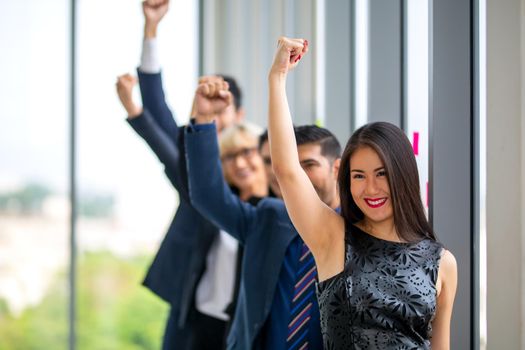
(149, 71)
(143, 123)
(320, 227)
(209, 192)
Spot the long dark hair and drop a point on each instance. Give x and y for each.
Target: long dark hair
(395, 151)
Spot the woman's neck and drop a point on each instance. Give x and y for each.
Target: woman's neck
(385, 230)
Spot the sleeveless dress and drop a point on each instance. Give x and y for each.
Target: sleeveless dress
(385, 298)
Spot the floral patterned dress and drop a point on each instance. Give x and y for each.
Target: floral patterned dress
(384, 299)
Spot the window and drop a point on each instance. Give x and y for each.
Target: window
(124, 202)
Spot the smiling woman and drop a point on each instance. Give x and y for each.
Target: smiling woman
(241, 162)
(380, 167)
(385, 280)
(369, 185)
(398, 269)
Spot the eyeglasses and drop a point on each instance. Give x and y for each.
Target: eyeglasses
(246, 153)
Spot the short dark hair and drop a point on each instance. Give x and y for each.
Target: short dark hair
(395, 151)
(234, 89)
(306, 134)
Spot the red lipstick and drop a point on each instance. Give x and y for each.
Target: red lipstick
(375, 202)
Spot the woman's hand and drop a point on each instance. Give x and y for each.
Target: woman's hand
(289, 53)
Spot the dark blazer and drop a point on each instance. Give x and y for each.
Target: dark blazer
(265, 231)
(181, 258)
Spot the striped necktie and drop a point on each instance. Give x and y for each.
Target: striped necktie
(302, 302)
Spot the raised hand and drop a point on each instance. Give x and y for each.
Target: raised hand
(212, 97)
(204, 79)
(154, 11)
(125, 84)
(289, 53)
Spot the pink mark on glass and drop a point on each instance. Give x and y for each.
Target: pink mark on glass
(415, 143)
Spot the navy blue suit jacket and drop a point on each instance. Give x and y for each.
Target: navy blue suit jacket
(265, 231)
(181, 258)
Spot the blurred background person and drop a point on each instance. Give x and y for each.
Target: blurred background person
(196, 320)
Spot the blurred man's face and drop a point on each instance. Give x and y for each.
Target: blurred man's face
(272, 180)
(321, 171)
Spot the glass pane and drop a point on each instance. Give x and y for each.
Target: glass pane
(361, 62)
(125, 201)
(417, 87)
(34, 210)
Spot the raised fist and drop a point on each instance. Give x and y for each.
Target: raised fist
(211, 99)
(204, 79)
(125, 85)
(154, 10)
(289, 53)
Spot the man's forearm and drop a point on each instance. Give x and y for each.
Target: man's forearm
(150, 30)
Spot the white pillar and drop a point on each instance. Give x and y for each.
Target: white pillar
(505, 170)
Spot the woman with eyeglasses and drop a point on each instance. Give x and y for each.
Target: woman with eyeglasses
(242, 164)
